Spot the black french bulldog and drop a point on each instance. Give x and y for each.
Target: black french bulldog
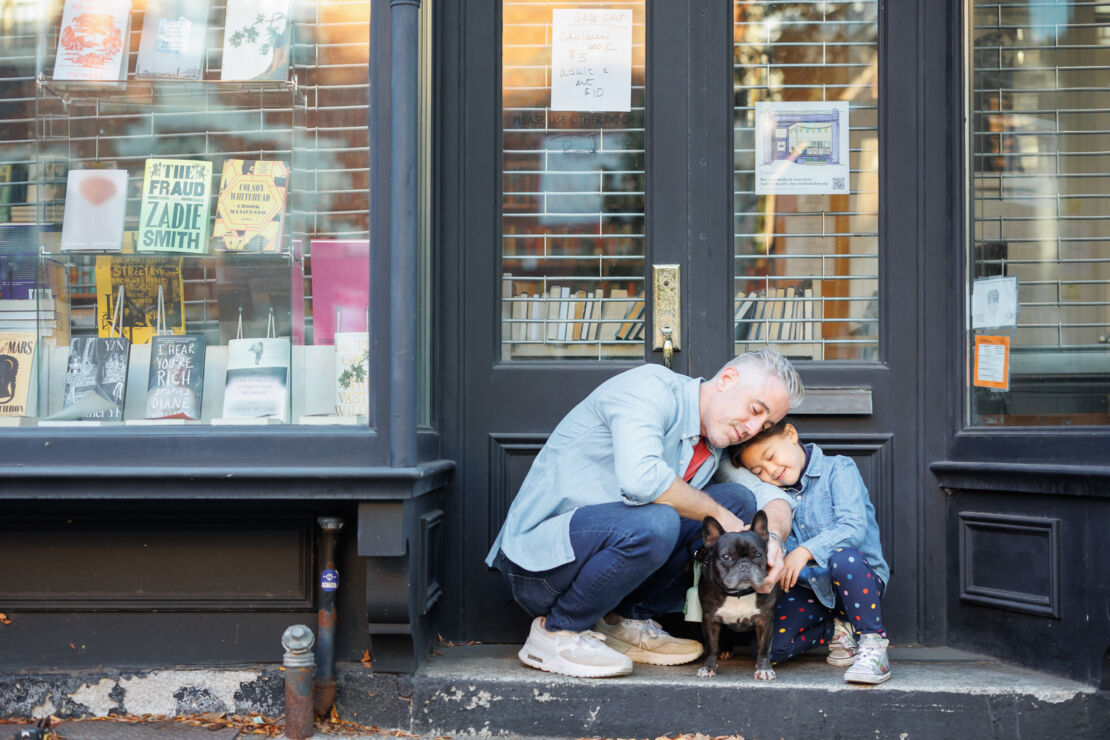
(733, 565)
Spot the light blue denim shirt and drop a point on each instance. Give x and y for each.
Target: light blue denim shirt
(625, 442)
(833, 510)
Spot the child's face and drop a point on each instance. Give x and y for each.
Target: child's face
(777, 460)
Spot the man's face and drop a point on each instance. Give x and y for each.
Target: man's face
(738, 408)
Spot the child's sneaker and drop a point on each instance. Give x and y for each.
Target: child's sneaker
(871, 664)
(842, 646)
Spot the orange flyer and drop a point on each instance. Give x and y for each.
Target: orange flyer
(992, 362)
(250, 211)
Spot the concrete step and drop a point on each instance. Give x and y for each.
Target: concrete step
(933, 693)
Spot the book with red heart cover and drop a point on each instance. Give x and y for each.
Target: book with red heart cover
(96, 204)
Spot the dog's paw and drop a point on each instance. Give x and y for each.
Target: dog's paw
(707, 672)
(765, 674)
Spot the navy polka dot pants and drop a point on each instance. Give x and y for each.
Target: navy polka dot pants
(802, 622)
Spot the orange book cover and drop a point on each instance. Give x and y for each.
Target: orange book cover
(250, 212)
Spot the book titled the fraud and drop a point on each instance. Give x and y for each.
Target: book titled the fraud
(17, 354)
(340, 286)
(175, 385)
(96, 203)
(174, 213)
(250, 211)
(352, 373)
(257, 384)
(172, 44)
(140, 278)
(256, 40)
(96, 379)
(93, 40)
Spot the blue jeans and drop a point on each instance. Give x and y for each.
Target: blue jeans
(627, 559)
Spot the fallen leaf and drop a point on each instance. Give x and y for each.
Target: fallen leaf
(4, 618)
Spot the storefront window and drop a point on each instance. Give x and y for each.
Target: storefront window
(572, 180)
(183, 213)
(1038, 293)
(806, 178)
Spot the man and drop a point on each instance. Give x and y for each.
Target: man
(596, 543)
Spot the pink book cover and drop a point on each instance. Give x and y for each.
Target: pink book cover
(296, 278)
(340, 280)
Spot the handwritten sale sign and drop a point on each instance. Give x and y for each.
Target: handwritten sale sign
(591, 60)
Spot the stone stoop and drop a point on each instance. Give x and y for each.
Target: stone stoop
(483, 690)
(933, 693)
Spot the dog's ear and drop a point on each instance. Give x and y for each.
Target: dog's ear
(711, 529)
(759, 523)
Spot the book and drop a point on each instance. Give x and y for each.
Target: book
(140, 278)
(250, 211)
(340, 286)
(519, 332)
(96, 203)
(578, 315)
(595, 314)
(742, 318)
(173, 39)
(175, 384)
(352, 373)
(93, 40)
(552, 299)
(257, 37)
(633, 320)
(565, 314)
(536, 318)
(174, 212)
(613, 311)
(257, 382)
(17, 356)
(96, 379)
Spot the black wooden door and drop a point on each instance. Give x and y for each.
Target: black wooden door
(554, 221)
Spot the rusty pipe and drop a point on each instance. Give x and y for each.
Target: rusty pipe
(300, 665)
(324, 688)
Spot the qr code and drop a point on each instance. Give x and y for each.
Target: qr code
(838, 183)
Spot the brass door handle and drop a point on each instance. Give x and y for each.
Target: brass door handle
(666, 310)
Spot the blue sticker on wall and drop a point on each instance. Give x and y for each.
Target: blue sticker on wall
(329, 579)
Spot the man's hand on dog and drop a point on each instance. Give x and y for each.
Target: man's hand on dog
(774, 566)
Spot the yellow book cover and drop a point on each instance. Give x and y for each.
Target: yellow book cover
(17, 353)
(250, 211)
(140, 278)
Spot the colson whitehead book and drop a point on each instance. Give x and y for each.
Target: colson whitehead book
(174, 213)
(96, 203)
(256, 40)
(250, 212)
(175, 385)
(93, 40)
(96, 378)
(17, 355)
(173, 38)
(140, 278)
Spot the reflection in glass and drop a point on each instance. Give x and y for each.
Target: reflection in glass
(1039, 196)
(572, 207)
(806, 217)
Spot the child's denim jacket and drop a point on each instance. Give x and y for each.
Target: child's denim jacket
(832, 511)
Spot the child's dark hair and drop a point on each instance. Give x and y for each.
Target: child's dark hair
(772, 431)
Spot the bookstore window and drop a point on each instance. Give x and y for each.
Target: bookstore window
(1038, 293)
(806, 178)
(184, 227)
(572, 180)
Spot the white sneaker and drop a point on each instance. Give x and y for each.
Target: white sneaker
(581, 654)
(871, 664)
(644, 641)
(842, 646)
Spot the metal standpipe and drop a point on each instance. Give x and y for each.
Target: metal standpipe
(326, 618)
(300, 665)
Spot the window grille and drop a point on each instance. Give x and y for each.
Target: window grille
(807, 264)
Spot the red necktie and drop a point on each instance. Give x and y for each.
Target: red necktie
(701, 452)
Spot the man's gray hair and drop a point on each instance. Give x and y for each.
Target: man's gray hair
(771, 363)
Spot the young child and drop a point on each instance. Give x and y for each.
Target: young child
(839, 599)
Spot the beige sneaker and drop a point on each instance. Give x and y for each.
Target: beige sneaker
(645, 641)
(842, 646)
(581, 654)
